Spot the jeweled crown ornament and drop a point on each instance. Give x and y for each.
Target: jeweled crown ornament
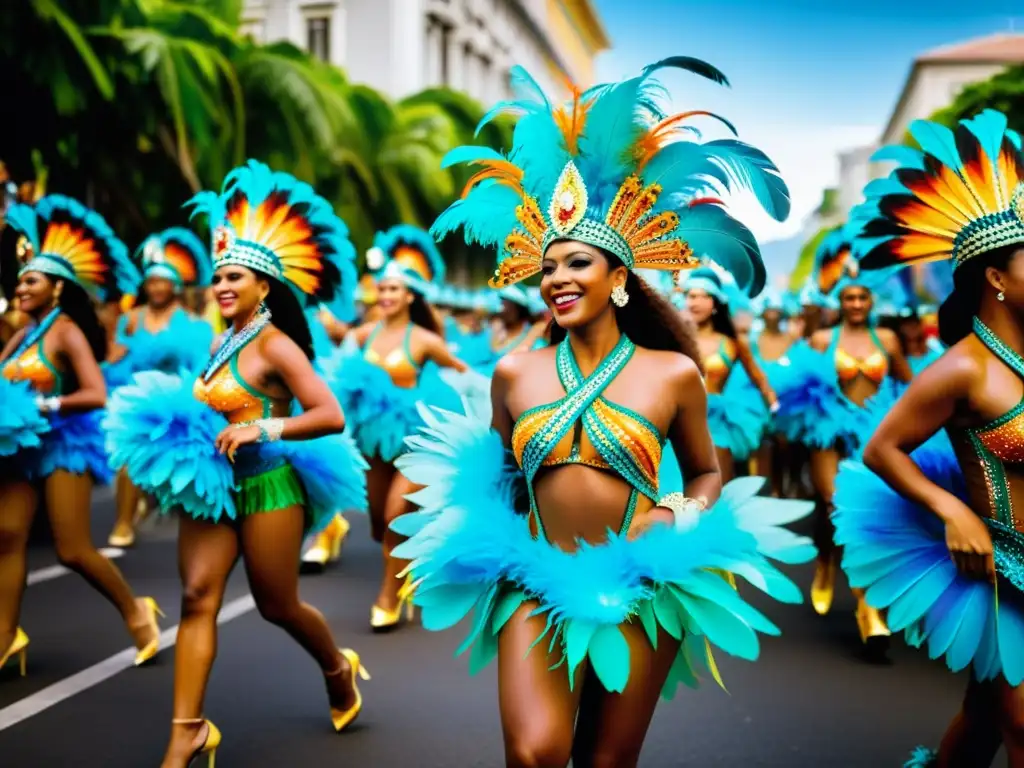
(609, 168)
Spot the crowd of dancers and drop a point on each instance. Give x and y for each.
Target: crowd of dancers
(593, 471)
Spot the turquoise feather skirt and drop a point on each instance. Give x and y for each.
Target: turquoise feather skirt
(21, 423)
(737, 418)
(896, 551)
(164, 438)
(73, 443)
(472, 553)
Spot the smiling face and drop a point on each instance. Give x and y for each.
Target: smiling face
(159, 291)
(238, 291)
(577, 282)
(855, 304)
(35, 292)
(393, 297)
(700, 305)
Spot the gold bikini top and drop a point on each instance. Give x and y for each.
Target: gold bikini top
(228, 393)
(398, 362)
(874, 367)
(718, 365)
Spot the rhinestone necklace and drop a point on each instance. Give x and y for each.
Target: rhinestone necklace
(235, 341)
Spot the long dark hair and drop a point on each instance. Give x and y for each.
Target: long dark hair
(956, 315)
(421, 313)
(76, 304)
(648, 320)
(287, 315)
(721, 319)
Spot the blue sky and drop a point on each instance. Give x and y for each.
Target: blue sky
(808, 78)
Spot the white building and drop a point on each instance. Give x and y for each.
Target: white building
(402, 46)
(936, 78)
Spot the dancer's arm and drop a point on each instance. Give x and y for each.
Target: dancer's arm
(689, 433)
(746, 358)
(74, 348)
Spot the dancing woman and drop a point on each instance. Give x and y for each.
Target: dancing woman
(68, 252)
(737, 421)
(160, 334)
(939, 542)
(392, 370)
(575, 614)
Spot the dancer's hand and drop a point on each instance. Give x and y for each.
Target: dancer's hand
(232, 437)
(969, 542)
(654, 516)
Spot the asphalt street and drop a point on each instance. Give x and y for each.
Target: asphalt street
(811, 700)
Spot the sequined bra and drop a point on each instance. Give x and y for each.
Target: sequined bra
(228, 393)
(585, 428)
(718, 366)
(29, 362)
(991, 457)
(398, 362)
(874, 367)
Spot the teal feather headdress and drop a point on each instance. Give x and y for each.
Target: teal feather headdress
(772, 298)
(959, 196)
(62, 238)
(273, 223)
(409, 254)
(176, 254)
(611, 169)
(708, 280)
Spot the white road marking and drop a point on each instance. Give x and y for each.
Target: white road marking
(82, 681)
(53, 571)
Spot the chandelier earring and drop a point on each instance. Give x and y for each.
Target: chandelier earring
(619, 296)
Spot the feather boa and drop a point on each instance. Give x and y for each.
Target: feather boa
(21, 423)
(897, 551)
(164, 438)
(472, 552)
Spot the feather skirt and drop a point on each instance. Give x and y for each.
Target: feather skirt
(896, 551)
(380, 415)
(164, 438)
(472, 553)
(21, 423)
(737, 418)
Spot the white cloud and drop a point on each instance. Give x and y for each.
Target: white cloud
(806, 155)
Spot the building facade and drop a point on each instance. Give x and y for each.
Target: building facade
(400, 47)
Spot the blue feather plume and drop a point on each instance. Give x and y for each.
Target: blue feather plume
(21, 423)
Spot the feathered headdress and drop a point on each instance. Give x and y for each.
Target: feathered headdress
(834, 263)
(772, 298)
(273, 223)
(611, 169)
(62, 238)
(409, 254)
(177, 255)
(517, 295)
(957, 197)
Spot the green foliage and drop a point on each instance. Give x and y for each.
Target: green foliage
(1003, 92)
(134, 105)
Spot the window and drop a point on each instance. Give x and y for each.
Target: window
(318, 37)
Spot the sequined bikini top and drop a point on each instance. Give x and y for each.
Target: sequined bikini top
(398, 362)
(29, 362)
(583, 427)
(718, 365)
(874, 367)
(228, 393)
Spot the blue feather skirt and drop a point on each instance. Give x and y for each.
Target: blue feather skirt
(184, 345)
(812, 409)
(737, 418)
(21, 423)
(74, 443)
(164, 438)
(472, 553)
(896, 551)
(380, 415)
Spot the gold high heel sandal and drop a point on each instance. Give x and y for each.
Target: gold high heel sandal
(823, 587)
(152, 648)
(18, 648)
(341, 719)
(327, 547)
(382, 620)
(874, 632)
(210, 743)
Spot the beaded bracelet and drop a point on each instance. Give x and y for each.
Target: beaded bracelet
(681, 504)
(270, 429)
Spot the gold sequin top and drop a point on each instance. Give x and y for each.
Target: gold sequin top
(718, 366)
(228, 393)
(621, 432)
(33, 366)
(992, 460)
